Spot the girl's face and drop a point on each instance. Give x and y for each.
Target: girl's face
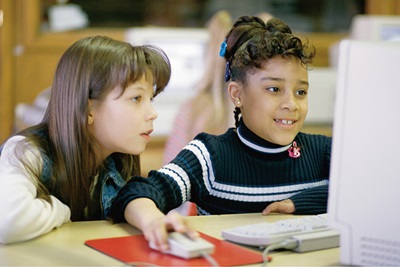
(274, 103)
(123, 123)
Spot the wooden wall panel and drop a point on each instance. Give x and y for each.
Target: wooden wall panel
(382, 7)
(36, 53)
(6, 65)
(35, 73)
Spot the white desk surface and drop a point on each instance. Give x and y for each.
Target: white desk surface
(65, 246)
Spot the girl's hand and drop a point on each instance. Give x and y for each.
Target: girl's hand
(156, 232)
(155, 225)
(284, 206)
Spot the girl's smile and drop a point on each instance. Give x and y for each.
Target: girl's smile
(274, 102)
(285, 121)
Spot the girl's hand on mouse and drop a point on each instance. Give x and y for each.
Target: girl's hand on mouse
(155, 225)
(284, 206)
(156, 232)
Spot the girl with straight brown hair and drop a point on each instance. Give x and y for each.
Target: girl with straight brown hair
(99, 119)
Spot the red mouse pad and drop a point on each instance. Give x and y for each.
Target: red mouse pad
(135, 250)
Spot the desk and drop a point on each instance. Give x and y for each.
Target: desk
(65, 246)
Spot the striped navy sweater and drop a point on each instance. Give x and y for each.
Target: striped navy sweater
(237, 172)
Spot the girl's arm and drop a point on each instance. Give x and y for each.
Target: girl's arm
(24, 216)
(168, 188)
(143, 202)
(308, 202)
(311, 201)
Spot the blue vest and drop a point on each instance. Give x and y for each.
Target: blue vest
(110, 180)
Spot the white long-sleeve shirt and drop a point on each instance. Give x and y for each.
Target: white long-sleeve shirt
(23, 216)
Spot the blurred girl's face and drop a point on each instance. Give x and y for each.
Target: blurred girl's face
(123, 123)
(274, 103)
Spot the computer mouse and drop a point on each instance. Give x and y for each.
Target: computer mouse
(181, 245)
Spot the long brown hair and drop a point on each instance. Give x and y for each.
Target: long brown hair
(89, 69)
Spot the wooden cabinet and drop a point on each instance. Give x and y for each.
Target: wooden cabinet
(6, 64)
(30, 56)
(37, 53)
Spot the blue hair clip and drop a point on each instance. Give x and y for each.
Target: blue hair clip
(222, 51)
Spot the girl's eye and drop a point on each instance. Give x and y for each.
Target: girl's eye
(136, 99)
(302, 92)
(273, 89)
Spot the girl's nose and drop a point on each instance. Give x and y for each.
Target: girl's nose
(152, 115)
(289, 102)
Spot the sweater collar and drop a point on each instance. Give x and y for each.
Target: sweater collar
(255, 142)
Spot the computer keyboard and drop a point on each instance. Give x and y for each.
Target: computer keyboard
(311, 229)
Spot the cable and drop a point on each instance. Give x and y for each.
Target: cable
(210, 259)
(286, 244)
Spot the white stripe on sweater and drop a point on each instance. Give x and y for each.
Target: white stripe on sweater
(232, 192)
(180, 176)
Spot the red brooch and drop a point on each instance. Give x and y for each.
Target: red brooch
(294, 150)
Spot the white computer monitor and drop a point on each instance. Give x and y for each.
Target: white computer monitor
(375, 28)
(364, 192)
(369, 28)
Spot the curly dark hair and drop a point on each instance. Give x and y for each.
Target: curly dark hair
(251, 42)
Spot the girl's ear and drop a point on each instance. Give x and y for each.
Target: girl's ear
(235, 92)
(90, 115)
(90, 119)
